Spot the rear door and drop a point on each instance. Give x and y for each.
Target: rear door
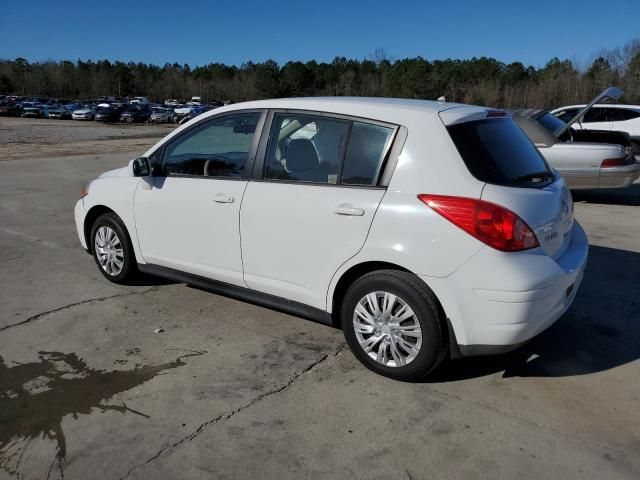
(597, 118)
(312, 202)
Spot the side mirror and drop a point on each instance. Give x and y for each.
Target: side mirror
(141, 167)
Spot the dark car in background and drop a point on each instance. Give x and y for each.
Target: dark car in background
(60, 113)
(136, 114)
(9, 109)
(107, 114)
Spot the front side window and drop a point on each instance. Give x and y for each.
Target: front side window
(219, 148)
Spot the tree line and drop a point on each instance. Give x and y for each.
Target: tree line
(484, 81)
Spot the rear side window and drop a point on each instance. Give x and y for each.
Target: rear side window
(596, 115)
(497, 151)
(628, 114)
(323, 149)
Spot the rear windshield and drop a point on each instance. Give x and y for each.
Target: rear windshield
(496, 151)
(552, 124)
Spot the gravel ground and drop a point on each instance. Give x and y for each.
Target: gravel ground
(37, 138)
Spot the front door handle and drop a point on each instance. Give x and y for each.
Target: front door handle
(223, 198)
(349, 210)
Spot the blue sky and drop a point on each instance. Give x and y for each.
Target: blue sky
(232, 32)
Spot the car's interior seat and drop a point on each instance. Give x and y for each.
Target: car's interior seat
(303, 163)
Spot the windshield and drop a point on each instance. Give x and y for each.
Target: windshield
(552, 124)
(497, 151)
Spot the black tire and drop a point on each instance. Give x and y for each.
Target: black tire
(129, 266)
(415, 293)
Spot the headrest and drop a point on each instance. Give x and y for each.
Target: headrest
(302, 156)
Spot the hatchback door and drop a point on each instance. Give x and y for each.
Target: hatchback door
(187, 216)
(313, 207)
(517, 177)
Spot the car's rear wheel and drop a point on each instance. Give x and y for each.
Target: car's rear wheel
(394, 325)
(112, 249)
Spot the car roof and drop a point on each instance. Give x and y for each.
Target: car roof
(382, 108)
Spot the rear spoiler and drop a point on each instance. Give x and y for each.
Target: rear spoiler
(611, 93)
(468, 113)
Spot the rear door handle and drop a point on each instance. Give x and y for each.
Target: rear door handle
(223, 198)
(349, 210)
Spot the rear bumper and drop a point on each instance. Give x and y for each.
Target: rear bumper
(619, 177)
(498, 301)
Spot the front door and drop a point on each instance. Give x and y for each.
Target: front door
(187, 217)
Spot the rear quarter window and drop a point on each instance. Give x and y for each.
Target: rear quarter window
(497, 151)
(365, 153)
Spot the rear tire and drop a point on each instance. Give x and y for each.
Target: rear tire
(112, 250)
(394, 325)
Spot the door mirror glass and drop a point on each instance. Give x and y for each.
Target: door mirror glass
(141, 167)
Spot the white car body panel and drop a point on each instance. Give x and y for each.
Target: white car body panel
(293, 241)
(286, 239)
(631, 126)
(192, 225)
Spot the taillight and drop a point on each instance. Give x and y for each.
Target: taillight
(490, 223)
(613, 162)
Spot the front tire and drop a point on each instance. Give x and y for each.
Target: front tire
(394, 325)
(112, 250)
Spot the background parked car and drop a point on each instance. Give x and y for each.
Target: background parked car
(85, 113)
(9, 109)
(162, 115)
(60, 113)
(624, 118)
(107, 114)
(136, 114)
(577, 156)
(35, 111)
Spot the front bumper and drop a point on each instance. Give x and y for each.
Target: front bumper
(498, 301)
(79, 214)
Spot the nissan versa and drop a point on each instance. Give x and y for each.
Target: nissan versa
(423, 229)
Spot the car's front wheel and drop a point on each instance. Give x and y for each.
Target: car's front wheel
(112, 249)
(394, 325)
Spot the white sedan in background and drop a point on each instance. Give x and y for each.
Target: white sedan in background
(86, 113)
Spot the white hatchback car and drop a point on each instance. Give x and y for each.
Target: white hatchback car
(423, 229)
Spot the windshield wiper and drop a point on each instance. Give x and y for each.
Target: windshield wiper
(534, 177)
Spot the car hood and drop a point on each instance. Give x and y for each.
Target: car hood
(118, 172)
(84, 110)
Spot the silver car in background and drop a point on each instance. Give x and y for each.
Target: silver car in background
(585, 158)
